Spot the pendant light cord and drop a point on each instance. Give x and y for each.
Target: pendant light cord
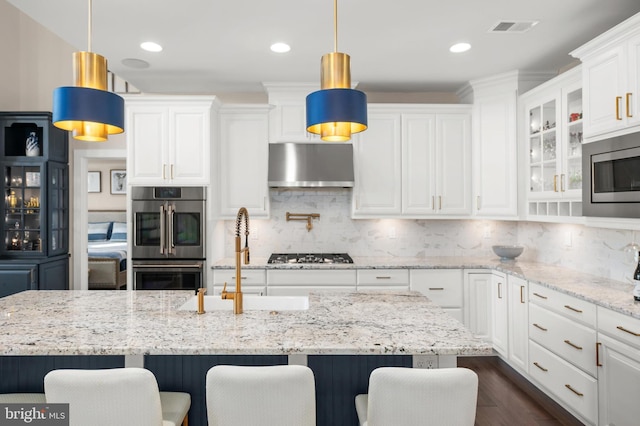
(335, 25)
(89, 30)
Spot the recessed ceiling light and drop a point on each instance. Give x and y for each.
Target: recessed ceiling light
(135, 63)
(150, 46)
(460, 47)
(280, 47)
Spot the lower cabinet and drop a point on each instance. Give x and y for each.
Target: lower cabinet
(18, 275)
(442, 286)
(500, 328)
(383, 279)
(478, 308)
(518, 321)
(253, 281)
(299, 282)
(618, 368)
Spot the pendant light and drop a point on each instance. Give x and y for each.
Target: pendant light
(87, 109)
(336, 111)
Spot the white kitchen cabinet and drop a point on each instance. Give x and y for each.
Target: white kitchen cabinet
(288, 115)
(442, 286)
(243, 161)
(377, 163)
(494, 148)
(618, 368)
(253, 281)
(553, 131)
(383, 279)
(169, 139)
(436, 163)
(518, 321)
(413, 161)
(611, 80)
(478, 305)
(299, 282)
(499, 304)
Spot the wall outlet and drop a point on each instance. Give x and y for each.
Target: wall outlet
(425, 361)
(253, 233)
(486, 233)
(392, 232)
(567, 239)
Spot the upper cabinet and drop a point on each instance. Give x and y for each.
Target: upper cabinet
(553, 134)
(243, 161)
(413, 161)
(288, 114)
(611, 78)
(169, 139)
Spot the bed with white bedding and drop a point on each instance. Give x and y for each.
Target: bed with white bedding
(107, 253)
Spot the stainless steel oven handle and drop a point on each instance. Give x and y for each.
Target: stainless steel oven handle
(162, 230)
(170, 243)
(167, 266)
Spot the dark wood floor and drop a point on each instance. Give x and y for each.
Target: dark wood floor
(506, 399)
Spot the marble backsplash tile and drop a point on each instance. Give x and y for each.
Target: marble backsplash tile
(595, 251)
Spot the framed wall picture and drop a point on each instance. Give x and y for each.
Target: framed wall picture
(118, 181)
(94, 183)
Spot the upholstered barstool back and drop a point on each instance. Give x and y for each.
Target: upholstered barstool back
(22, 398)
(414, 397)
(119, 396)
(282, 395)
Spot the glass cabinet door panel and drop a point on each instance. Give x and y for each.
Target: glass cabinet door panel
(535, 150)
(536, 179)
(23, 139)
(548, 175)
(549, 147)
(535, 121)
(549, 115)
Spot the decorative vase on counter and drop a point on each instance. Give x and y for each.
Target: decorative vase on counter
(32, 149)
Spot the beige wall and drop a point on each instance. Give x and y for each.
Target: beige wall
(104, 200)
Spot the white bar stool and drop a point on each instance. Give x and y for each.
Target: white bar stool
(412, 397)
(22, 398)
(118, 396)
(281, 395)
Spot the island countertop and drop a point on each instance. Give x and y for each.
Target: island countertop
(148, 322)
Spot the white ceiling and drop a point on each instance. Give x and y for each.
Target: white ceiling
(214, 46)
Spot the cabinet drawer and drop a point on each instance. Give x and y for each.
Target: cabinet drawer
(575, 388)
(293, 290)
(442, 286)
(312, 277)
(569, 306)
(620, 326)
(383, 277)
(248, 277)
(572, 341)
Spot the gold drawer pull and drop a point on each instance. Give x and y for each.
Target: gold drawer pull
(573, 390)
(573, 309)
(383, 278)
(555, 183)
(241, 277)
(436, 288)
(521, 294)
(573, 345)
(618, 99)
(540, 296)
(628, 106)
(540, 367)
(621, 328)
(539, 326)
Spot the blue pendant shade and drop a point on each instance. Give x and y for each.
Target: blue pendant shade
(84, 110)
(342, 110)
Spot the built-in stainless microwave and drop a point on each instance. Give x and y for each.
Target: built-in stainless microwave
(611, 183)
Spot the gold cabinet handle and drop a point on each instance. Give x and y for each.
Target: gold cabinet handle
(499, 290)
(628, 96)
(618, 99)
(164, 171)
(573, 345)
(540, 296)
(621, 328)
(540, 367)
(521, 294)
(433, 202)
(436, 288)
(555, 183)
(539, 326)
(573, 309)
(439, 202)
(573, 390)
(598, 344)
(241, 277)
(172, 171)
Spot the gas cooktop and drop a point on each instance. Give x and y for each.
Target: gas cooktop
(310, 258)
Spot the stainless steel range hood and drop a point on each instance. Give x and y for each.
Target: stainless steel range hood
(301, 165)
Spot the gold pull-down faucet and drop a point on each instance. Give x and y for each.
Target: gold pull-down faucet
(237, 295)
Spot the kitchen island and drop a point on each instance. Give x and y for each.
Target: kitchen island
(342, 337)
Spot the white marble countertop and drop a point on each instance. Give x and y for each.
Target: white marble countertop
(604, 292)
(148, 322)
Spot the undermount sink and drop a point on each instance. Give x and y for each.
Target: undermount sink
(250, 303)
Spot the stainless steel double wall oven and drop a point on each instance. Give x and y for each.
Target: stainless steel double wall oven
(169, 238)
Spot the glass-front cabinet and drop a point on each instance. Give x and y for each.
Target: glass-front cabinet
(553, 129)
(35, 207)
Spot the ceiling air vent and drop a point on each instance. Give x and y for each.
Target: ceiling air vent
(512, 26)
